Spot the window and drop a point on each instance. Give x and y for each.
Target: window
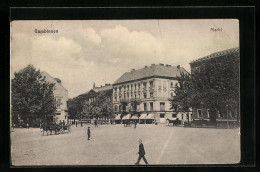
(181, 116)
(199, 111)
(220, 114)
(145, 107)
(115, 98)
(138, 85)
(174, 115)
(162, 106)
(151, 106)
(164, 84)
(151, 84)
(162, 115)
(135, 86)
(159, 85)
(208, 112)
(171, 94)
(171, 84)
(58, 103)
(151, 94)
(132, 87)
(115, 108)
(144, 84)
(144, 95)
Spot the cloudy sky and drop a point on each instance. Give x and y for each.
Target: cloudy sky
(83, 52)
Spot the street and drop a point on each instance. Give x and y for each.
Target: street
(118, 145)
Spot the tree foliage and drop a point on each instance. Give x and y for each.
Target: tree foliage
(215, 86)
(31, 94)
(75, 107)
(100, 108)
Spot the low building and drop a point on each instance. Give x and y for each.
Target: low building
(61, 96)
(147, 92)
(201, 112)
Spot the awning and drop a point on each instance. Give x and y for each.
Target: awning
(143, 116)
(150, 116)
(134, 117)
(118, 117)
(126, 117)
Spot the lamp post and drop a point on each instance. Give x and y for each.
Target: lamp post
(227, 115)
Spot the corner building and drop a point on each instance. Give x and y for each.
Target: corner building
(61, 97)
(152, 87)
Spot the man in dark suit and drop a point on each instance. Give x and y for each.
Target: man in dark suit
(88, 133)
(141, 153)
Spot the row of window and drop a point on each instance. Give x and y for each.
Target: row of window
(127, 88)
(174, 116)
(134, 95)
(220, 115)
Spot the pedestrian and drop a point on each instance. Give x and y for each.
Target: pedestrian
(88, 133)
(81, 123)
(27, 125)
(76, 124)
(141, 153)
(135, 122)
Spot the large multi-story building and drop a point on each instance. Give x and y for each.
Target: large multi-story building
(223, 113)
(147, 92)
(61, 96)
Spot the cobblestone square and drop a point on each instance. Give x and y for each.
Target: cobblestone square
(118, 145)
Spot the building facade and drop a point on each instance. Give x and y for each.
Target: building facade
(147, 92)
(61, 97)
(201, 111)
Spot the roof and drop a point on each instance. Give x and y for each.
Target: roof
(54, 80)
(100, 89)
(217, 54)
(159, 70)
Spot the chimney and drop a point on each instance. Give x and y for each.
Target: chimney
(58, 80)
(178, 66)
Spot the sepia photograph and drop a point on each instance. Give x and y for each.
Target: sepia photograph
(124, 92)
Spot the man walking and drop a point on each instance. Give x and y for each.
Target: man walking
(135, 122)
(88, 133)
(141, 153)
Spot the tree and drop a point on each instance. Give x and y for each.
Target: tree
(75, 107)
(31, 94)
(102, 107)
(216, 86)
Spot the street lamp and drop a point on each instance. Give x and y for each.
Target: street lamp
(227, 115)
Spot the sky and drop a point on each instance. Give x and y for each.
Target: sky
(100, 51)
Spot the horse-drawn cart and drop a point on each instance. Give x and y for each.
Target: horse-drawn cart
(54, 128)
